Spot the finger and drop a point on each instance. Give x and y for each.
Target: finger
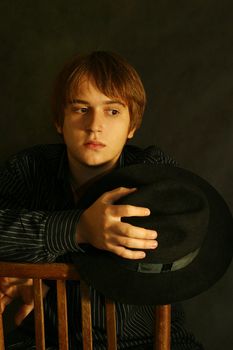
(4, 302)
(127, 210)
(135, 243)
(117, 193)
(23, 312)
(128, 230)
(128, 254)
(9, 281)
(4, 283)
(11, 291)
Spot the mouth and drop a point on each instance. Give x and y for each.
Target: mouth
(94, 145)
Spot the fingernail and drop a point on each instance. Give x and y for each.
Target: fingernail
(154, 245)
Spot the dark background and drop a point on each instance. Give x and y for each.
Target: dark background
(183, 51)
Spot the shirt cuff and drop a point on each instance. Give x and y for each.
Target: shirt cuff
(61, 231)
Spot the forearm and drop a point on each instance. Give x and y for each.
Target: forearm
(33, 236)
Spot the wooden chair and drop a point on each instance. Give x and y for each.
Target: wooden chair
(61, 273)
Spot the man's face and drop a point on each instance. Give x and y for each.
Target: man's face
(95, 127)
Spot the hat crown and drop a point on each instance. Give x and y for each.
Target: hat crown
(179, 213)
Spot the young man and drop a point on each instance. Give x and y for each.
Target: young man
(98, 103)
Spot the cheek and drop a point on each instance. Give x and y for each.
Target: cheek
(120, 135)
(70, 126)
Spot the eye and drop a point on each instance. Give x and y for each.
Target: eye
(113, 112)
(81, 110)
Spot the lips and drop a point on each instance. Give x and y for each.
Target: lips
(94, 144)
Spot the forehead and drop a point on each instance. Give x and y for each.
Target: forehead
(88, 88)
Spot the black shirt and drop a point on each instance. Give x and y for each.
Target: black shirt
(38, 219)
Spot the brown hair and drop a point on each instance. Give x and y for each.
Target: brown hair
(112, 75)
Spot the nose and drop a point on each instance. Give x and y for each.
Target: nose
(94, 121)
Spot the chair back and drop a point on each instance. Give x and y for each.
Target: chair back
(60, 273)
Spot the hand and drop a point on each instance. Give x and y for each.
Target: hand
(11, 288)
(100, 225)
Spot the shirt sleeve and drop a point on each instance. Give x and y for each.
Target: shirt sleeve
(31, 235)
(154, 155)
(150, 155)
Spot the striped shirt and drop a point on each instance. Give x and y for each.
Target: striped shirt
(38, 220)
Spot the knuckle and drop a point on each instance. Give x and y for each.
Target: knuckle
(105, 238)
(122, 254)
(126, 242)
(124, 230)
(120, 251)
(118, 189)
(6, 289)
(126, 253)
(146, 233)
(103, 196)
(106, 228)
(146, 245)
(128, 209)
(106, 210)
(107, 246)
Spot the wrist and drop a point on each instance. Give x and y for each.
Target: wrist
(80, 232)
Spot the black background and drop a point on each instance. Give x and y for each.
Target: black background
(183, 51)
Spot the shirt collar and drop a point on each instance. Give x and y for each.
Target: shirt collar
(63, 167)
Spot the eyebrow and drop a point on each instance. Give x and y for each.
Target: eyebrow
(109, 102)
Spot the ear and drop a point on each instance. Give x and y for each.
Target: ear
(131, 133)
(58, 128)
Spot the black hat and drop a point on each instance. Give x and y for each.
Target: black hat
(195, 237)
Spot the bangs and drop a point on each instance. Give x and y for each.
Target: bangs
(110, 83)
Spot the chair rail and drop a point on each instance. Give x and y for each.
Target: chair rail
(62, 272)
(49, 271)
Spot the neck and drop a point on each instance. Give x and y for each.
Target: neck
(82, 174)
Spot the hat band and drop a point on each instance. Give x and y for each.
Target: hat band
(174, 266)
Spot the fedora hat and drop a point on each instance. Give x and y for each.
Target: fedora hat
(195, 237)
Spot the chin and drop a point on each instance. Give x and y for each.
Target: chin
(98, 164)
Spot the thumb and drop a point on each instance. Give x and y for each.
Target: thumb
(117, 193)
(24, 310)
